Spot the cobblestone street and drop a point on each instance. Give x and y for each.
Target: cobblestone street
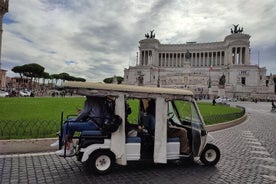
(248, 155)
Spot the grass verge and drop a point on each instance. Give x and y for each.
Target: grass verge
(40, 117)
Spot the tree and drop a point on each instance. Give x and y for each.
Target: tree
(18, 69)
(33, 70)
(36, 71)
(110, 79)
(55, 77)
(44, 76)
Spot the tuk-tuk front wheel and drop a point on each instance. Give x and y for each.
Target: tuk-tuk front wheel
(101, 162)
(210, 155)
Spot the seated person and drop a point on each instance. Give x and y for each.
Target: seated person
(148, 120)
(131, 129)
(90, 118)
(173, 130)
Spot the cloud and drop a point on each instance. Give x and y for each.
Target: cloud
(97, 39)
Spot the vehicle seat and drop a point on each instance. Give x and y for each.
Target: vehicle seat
(87, 133)
(173, 139)
(133, 140)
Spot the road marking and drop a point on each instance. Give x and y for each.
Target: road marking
(252, 139)
(265, 159)
(26, 155)
(273, 178)
(256, 143)
(273, 168)
(261, 153)
(258, 147)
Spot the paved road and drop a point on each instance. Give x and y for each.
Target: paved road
(248, 156)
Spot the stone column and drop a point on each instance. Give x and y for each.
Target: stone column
(166, 60)
(195, 58)
(236, 53)
(247, 60)
(174, 60)
(181, 59)
(140, 58)
(203, 59)
(143, 58)
(220, 62)
(163, 59)
(240, 53)
(216, 58)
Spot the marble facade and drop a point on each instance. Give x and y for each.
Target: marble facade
(200, 66)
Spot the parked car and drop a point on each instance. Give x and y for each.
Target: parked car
(3, 93)
(221, 101)
(233, 99)
(99, 150)
(25, 92)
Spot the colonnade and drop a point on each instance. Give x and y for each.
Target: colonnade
(145, 57)
(215, 58)
(239, 55)
(198, 59)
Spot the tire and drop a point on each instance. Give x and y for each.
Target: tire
(101, 162)
(210, 155)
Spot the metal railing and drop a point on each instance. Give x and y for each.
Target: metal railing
(21, 129)
(18, 129)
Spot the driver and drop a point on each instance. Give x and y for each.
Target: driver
(174, 130)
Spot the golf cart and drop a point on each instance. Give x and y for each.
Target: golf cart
(100, 149)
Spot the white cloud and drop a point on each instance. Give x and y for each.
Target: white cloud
(98, 39)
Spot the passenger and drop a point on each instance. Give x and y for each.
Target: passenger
(176, 131)
(149, 119)
(91, 117)
(131, 129)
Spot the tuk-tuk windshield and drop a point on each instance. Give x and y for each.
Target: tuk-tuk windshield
(186, 111)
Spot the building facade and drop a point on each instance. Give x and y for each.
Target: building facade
(4, 7)
(208, 69)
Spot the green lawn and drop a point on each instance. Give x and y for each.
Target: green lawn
(40, 117)
(38, 108)
(213, 114)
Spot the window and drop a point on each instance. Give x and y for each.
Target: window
(243, 80)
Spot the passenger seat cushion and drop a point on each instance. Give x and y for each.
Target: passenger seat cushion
(133, 140)
(173, 139)
(91, 132)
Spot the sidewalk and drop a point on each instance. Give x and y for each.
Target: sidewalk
(15, 146)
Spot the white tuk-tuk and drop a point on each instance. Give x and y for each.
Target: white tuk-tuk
(100, 149)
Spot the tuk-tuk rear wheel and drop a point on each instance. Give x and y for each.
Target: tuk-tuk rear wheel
(210, 155)
(101, 162)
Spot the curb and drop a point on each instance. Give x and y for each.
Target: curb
(14, 146)
(19, 146)
(220, 126)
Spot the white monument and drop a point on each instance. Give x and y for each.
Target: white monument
(208, 69)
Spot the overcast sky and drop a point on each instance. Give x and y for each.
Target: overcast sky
(96, 39)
